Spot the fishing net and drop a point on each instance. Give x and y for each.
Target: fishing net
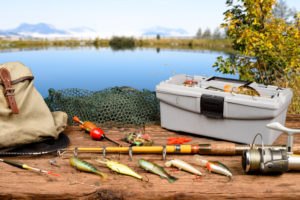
(121, 105)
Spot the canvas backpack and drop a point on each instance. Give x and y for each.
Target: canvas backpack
(24, 116)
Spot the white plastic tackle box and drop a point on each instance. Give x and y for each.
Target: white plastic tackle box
(212, 107)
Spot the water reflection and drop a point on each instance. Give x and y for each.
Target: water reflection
(95, 69)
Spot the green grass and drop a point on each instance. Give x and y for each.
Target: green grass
(123, 43)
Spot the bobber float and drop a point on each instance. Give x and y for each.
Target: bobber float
(96, 133)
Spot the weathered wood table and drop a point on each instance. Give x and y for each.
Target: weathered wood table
(16, 183)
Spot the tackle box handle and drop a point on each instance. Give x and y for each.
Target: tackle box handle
(217, 78)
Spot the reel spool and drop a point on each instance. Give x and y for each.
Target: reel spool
(271, 160)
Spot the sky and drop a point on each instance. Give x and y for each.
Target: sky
(125, 17)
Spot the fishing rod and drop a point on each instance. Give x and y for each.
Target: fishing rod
(223, 148)
(220, 148)
(24, 166)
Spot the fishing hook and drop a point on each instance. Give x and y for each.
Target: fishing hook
(197, 178)
(147, 181)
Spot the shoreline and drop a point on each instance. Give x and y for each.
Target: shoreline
(165, 43)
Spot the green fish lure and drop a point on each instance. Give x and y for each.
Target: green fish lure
(156, 169)
(82, 165)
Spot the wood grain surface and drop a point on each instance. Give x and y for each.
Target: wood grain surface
(16, 183)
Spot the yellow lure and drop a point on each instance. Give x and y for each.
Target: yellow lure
(120, 168)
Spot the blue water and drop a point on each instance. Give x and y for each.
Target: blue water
(96, 69)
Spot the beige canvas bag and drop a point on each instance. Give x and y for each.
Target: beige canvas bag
(24, 116)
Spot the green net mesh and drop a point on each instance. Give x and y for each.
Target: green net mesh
(122, 105)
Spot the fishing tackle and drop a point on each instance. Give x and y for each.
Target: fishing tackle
(156, 169)
(183, 165)
(82, 165)
(272, 160)
(176, 140)
(190, 83)
(220, 148)
(53, 162)
(120, 168)
(214, 166)
(243, 89)
(24, 166)
(95, 132)
(138, 139)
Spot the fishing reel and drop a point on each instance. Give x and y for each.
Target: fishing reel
(272, 160)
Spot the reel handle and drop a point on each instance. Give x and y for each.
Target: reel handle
(289, 131)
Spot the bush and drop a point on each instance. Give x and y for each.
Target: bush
(117, 43)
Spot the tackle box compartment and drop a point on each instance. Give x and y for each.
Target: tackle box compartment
(199, 105)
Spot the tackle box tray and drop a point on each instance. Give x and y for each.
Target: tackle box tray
(215, 107)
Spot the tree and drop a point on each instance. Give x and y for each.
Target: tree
(268, 46)
(96, 42)
(216, 34)
(158, 37)
(199, 33)
(281, 10)
(206, 34)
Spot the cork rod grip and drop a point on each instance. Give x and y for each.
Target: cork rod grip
(224, 148)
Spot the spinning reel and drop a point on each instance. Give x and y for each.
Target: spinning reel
(272, 160)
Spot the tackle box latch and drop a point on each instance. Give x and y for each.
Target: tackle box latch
(212, 106)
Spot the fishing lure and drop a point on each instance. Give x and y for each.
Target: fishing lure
(214, 166)
(24, 166)
(183, 165)
(85, 166)
(120, 168)
(138, 139)
(156, 169)
(243, 89)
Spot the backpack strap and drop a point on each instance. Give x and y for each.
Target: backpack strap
(9, 91)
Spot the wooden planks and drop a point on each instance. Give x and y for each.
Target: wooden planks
(21, 184)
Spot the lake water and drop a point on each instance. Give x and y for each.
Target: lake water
(96, 69)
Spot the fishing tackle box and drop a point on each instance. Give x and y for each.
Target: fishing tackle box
(200, 105)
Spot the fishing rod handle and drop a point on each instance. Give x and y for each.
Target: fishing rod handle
(227, 148)
(16, 164)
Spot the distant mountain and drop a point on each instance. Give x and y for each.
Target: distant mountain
(40, 28)
(8, 34)
(165, 31)
(45, 30)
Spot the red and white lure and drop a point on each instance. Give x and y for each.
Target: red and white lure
(214, 166)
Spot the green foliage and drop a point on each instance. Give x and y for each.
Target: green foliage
(118, 43)
(268, 46)
(191, 43)
(158, 37)
(97, 42)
